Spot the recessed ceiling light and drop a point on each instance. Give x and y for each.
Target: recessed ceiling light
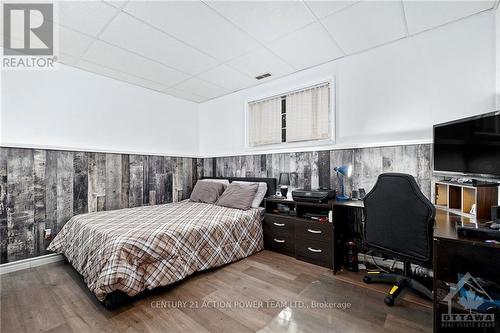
(263, 76)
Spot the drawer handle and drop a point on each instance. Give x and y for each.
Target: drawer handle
(279, 240)
(314, 250)
(279, 224)
(314, 231)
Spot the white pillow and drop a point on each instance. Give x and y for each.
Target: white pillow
(259, 195)
(223, 181)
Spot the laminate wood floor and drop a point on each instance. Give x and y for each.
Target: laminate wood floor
(266, 292)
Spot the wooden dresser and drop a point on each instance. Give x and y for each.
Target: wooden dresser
(297, 234)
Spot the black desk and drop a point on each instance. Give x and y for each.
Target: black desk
(445, 228)
(452, 256)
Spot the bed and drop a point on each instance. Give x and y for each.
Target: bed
(124, 252)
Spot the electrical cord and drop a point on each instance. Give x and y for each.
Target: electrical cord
(393, 264)
(374, 261)
(380, 268)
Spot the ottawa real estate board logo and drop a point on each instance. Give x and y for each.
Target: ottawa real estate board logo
(476, 306)
(28, 36)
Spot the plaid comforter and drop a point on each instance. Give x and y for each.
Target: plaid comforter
(146, 247)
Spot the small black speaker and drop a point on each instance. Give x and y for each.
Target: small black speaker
(495, 214)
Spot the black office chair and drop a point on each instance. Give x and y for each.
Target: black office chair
(399, 222)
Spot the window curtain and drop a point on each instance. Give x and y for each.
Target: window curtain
(264, 120)
(308, 114)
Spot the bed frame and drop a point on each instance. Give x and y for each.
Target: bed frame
(118, 298)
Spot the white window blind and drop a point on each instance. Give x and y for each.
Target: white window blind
(264, 122)
(300, 115)
(308, 114)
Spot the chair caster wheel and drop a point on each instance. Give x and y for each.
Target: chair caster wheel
(367, 279)
(388, 301)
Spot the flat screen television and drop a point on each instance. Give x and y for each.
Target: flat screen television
(469, 146)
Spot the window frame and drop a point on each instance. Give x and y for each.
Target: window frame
(331, 80)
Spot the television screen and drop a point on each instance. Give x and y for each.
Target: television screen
(469, 146)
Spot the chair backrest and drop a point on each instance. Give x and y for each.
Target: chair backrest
(399, 219)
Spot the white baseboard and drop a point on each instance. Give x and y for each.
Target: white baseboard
(30, 263)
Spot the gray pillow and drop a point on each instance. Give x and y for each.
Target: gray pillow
(207, 192)
(259, 195)
(238, 196)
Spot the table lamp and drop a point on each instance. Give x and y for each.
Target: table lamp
(343, 171)
(284, 182)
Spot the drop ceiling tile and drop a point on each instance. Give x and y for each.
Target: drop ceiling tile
(117, 4)
(228, 78)
(127, 62)
(423, 15)
(325, 8)
(88, 17)
(260, 62)
(66, 59)
(313, 38)
(73, 43)
(201, 88)
(366, 24)
(101, 70)
(265, 20)
(131, 34)
(185, 95)
(196, 24)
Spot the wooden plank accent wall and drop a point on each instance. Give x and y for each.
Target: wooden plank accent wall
(42, 189)
(20, 204)
(3, 206)
(39, 159)
(315, 169)
(80, 183)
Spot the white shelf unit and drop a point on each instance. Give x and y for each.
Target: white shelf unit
(465, 198)
(456, 197)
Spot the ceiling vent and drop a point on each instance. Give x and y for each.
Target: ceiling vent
(263, 76)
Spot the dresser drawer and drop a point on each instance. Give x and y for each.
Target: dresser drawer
(319, 253)
(282, 244)
(278, 225)
(314, 231)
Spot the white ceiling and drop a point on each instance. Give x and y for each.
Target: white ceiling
(199, 50)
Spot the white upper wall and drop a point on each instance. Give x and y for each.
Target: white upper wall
(388, 95)
(73, 109)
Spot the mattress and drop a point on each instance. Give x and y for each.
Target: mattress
(135, 249)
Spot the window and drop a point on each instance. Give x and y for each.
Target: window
(264, 122)
(301, 115)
